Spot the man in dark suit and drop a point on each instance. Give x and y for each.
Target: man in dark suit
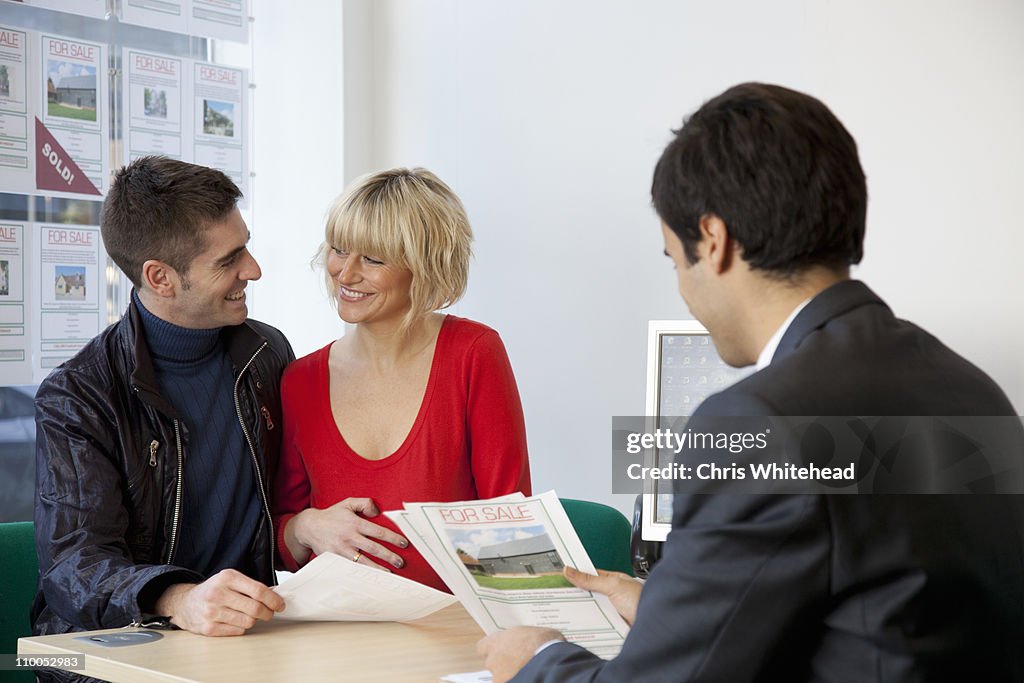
(762, 201)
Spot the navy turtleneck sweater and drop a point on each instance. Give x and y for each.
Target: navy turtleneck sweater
(221, 508)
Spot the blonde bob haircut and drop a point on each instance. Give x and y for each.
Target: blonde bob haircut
(408, 218)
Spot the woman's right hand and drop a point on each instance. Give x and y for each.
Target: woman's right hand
(343, 529)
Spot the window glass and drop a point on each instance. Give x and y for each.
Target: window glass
(17, 453)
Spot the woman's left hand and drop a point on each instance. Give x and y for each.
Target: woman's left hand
(343, 529)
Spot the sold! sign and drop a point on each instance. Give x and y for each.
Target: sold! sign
(55, 169)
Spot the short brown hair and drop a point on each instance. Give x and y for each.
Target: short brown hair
(159, 208)
(409, 218)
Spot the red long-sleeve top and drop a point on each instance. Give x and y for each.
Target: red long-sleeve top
(468, 441)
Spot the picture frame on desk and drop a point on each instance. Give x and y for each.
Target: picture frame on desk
(683, 368)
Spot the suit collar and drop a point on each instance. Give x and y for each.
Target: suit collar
(828, 304)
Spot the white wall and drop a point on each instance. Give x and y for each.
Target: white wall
(936, 101)
(298, 129)
(547, 118)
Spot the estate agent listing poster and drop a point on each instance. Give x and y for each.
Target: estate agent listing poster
(218, 119)
(15, 154)
(503, 559)
(220, 19)
(224, 19)
(153, 104)
(165, 15)
(69, 265)
(72, 137)
(97, 9)
(15, 357)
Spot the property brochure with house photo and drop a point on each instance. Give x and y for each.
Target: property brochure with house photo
(503, 559)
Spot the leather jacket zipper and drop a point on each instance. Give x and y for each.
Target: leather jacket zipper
(153, 446)
(255, 460)
(177, 495)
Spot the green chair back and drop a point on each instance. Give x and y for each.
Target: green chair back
(19, 571)
(604, 532)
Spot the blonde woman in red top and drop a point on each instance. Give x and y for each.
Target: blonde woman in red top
(409, 405)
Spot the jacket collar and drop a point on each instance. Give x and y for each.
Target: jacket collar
(242, 342)
(828, 304)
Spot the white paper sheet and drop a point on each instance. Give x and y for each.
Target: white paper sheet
(223, 19)
(15, 305)
(17, 113)
(219, 137)
(471, 677)
(334, 588)
(67, 274)
(165, 15)
(86, 8)
(155, 102)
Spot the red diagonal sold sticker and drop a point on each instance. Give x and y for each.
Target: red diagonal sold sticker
(55, 169)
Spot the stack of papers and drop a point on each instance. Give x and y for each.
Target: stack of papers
(503, 560)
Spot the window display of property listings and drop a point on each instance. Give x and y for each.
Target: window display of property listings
(51, 296)
(73, 109)
(225, 19)
(188, 110)
(55, 113)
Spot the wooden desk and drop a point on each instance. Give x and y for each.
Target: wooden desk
(422, 650)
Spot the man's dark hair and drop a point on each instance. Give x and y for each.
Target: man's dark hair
(778, 168)
(159, 208)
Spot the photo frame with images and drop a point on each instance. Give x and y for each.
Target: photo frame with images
(683, 369)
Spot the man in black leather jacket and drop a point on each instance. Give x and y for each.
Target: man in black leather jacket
(158, 441)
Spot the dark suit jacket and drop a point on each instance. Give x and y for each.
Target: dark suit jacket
(845, 588)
